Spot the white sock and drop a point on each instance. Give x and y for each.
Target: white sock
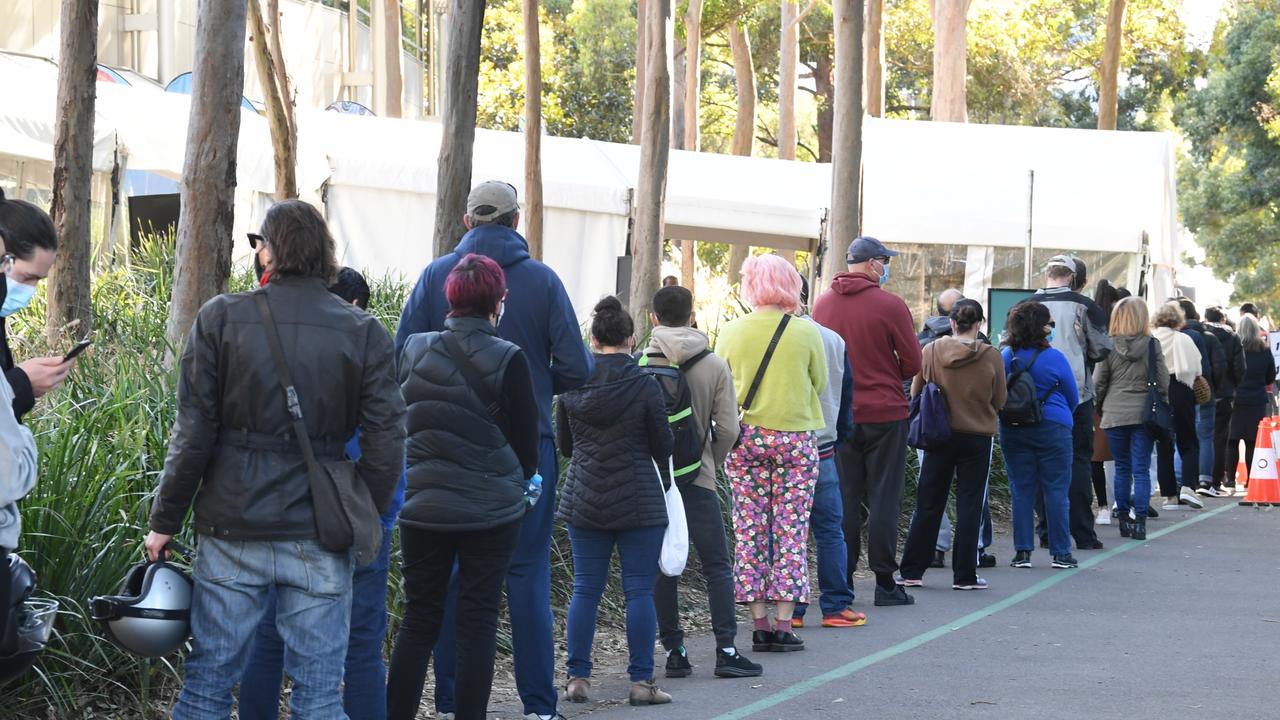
(730, 651)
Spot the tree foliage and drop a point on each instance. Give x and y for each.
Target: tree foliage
(1230, 181)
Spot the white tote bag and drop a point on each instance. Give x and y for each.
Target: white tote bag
(675, 541)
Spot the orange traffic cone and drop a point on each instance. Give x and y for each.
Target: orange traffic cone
(1264, 483)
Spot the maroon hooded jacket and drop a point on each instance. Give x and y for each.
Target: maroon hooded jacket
(880, 339)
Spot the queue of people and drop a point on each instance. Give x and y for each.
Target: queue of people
(447, 431)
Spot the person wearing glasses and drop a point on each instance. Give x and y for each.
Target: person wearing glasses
(31, 246)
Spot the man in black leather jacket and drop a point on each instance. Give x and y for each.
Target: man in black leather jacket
(233, 455)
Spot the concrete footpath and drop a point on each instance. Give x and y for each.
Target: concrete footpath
(1183, 625)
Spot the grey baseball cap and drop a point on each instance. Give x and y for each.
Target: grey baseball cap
(1063, 261)
(864, 248)
(491, 200)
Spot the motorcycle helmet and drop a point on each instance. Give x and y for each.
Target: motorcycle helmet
(29, 621)
(150, 615)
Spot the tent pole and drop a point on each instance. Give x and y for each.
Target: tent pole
(1031, 205)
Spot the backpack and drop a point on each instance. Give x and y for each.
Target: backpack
(1024, 406)
(686, 454)
(930, 419)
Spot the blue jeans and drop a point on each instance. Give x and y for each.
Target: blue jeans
(313, 600)
(1038, 459)
(826, 524)
(1205, 420)
(529, 583)
(364, 688)
(638, 550)
(1131, 447)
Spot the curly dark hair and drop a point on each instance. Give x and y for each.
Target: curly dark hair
(1025, 326)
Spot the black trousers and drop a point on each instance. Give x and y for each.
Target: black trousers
(1223, 472)
(708, 537)
(873, 470)
(967, 458)
(482, 557)
(1183, 401)
(1080, 515)
(1099, 470)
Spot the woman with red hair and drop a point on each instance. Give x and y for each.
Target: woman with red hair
(473, 446)
(779, 368)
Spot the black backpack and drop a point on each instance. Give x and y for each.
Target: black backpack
(1024, 406)
(686, 455)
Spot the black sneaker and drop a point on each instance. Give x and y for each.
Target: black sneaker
(762, 641)
(786, 641)
(678, 664)
(939, 559)
(890, 598)
(1022, 559)
(986, 561)
(1151, 512)
(1064, 562)
(1094, 544)
(736, 666)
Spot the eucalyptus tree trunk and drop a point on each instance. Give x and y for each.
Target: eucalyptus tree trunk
(1109, 75)
(744, 125)
(845, 221)
(70, 304)
(950, 60)
(462, 79)
(532, 213)
(647, 232)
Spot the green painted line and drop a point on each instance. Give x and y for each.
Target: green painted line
(813, 683)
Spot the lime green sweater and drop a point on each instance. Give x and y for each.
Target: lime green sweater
(788, 395)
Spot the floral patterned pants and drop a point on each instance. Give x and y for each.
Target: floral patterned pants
(772, 475)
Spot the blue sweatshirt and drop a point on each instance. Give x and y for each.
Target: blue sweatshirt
(1051, 370)
(539, 317)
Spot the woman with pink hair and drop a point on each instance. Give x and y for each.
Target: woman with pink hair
(779, 368)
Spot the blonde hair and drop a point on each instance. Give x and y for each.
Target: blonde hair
(1169, 315)
(1129, 317)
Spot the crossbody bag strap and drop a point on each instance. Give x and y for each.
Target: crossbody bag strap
(286, 381)
(1152, 381)
(764, 363)
(473, 378)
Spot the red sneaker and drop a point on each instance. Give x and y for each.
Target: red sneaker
(844, 619)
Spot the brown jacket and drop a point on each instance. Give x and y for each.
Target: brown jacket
(971, 375)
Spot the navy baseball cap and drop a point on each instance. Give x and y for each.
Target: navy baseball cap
(864, 248)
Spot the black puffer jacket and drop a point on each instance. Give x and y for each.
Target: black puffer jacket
(232, 451)
(463, 472)
(614, 428)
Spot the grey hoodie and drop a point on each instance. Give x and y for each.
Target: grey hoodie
(710, 389)
(17, 467)
(1120, 380)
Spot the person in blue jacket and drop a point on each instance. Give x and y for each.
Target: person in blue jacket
(1038, 456)
(364, 688)
(539, 318)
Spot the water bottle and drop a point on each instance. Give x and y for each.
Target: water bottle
(534, 491)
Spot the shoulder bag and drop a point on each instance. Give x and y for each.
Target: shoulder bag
(346, 517)
(1157, 416)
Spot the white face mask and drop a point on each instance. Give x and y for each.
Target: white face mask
(18, 296)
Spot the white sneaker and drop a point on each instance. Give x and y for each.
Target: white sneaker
(444, 716)
(1171, 504)
(1104, 517)
(1190, 498)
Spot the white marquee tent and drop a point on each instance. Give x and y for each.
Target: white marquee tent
(925, 185)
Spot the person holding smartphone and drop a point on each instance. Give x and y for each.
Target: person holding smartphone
(31, 246)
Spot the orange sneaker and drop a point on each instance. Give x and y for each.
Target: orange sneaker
(844, 619)
(797, 622)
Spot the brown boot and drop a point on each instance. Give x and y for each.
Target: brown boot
(577, 689)
(647, 692)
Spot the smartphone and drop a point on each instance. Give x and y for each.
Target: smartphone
(79, 348)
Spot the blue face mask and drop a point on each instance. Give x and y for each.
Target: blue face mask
(884, 273)
(1053, 334)
(18, 297)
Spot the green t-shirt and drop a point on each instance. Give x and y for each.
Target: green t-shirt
(788, 396)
